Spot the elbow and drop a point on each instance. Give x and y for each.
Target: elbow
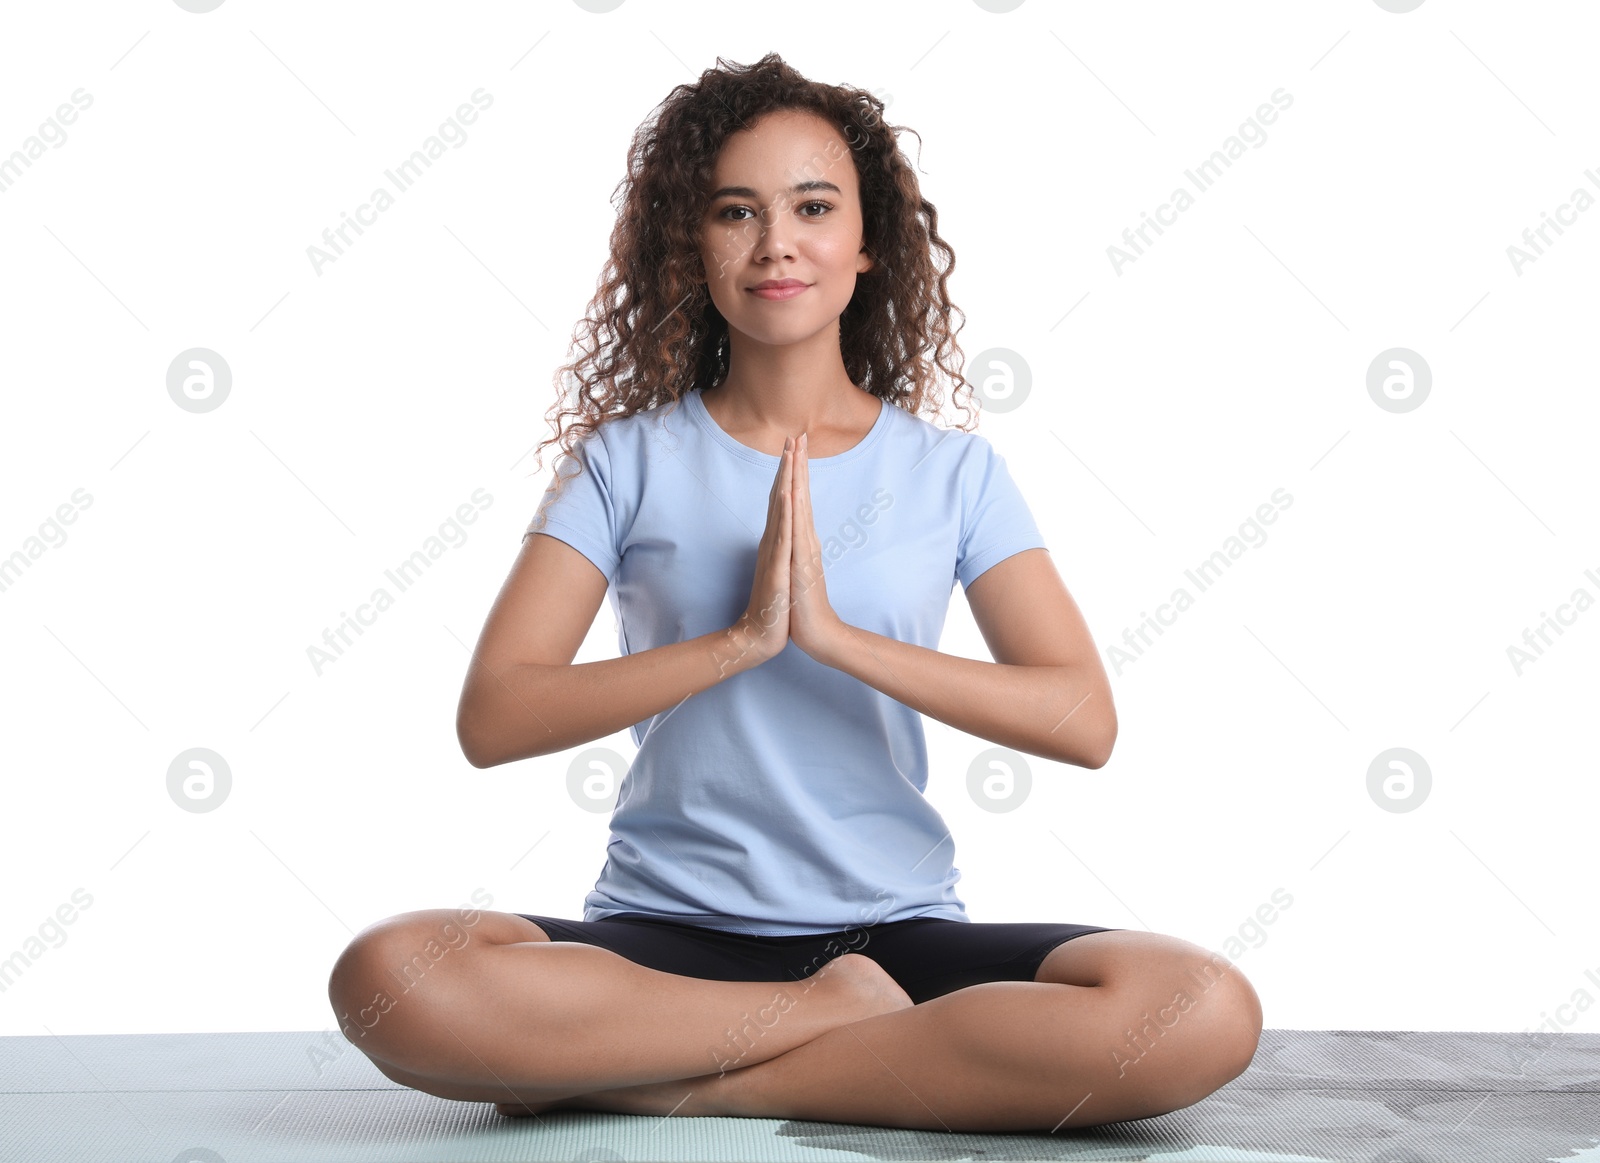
(1098, 758)
(1085, 752)
(487, 734)
(470, 751)
(470, 739)
(478, 757)
(494, 720)
(1101, 754)
(1095, 715)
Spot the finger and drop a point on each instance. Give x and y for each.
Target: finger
(777, 481)
(803, 492)
(799, 552)
(804, 489)
(772, 535)
(809, 550)
(786, 471)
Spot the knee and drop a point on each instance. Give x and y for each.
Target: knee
(1201, 1007)
(357, 989)
(1230, 1020)
(380, 965)
(1242, 1017)
(359, 963)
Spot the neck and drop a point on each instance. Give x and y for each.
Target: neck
(790, 387)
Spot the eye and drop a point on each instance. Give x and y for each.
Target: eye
(826, 206)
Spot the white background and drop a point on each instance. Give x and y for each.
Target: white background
(1167, 402)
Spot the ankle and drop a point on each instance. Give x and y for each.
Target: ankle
(738, 1093)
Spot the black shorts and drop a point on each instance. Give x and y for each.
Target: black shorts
(926, 956)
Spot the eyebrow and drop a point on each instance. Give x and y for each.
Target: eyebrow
(797, 188)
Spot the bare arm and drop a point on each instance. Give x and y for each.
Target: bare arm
(531, 708)
(1046, 693)
(523, 697)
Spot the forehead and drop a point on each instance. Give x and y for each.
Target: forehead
(784, 148)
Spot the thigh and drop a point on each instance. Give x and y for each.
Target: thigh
(690, 951)
(929, 957)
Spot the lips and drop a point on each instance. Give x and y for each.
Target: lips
(778, 289)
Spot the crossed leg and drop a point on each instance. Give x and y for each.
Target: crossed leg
(1116, 1025)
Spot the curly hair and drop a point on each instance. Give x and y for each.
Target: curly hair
(651, 333)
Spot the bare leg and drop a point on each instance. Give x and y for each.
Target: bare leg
(500, 1013)
(1009, 1055)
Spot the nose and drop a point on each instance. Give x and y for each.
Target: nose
(774, 239)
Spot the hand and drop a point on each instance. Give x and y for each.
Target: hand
(789, 596)
(813, 625)
(763, 628)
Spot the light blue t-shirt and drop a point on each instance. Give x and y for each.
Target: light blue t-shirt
(787, 798)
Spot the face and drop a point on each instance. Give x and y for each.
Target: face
(785, 205)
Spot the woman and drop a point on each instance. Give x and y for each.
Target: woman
(776, 931)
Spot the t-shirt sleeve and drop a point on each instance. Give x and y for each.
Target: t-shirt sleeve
(995, 519)
(582, 514)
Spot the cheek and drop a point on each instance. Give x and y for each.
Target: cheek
(726, 247)
(836, 252)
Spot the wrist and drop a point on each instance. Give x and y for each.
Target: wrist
(835, 651)
(739, 648)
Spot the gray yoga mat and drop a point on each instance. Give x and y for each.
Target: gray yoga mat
(1376, 1097)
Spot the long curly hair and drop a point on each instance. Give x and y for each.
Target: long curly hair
(651, 333)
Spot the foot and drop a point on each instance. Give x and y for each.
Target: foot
(857, 988)
(682, 1097)
(521, 1110)
(860, 987)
